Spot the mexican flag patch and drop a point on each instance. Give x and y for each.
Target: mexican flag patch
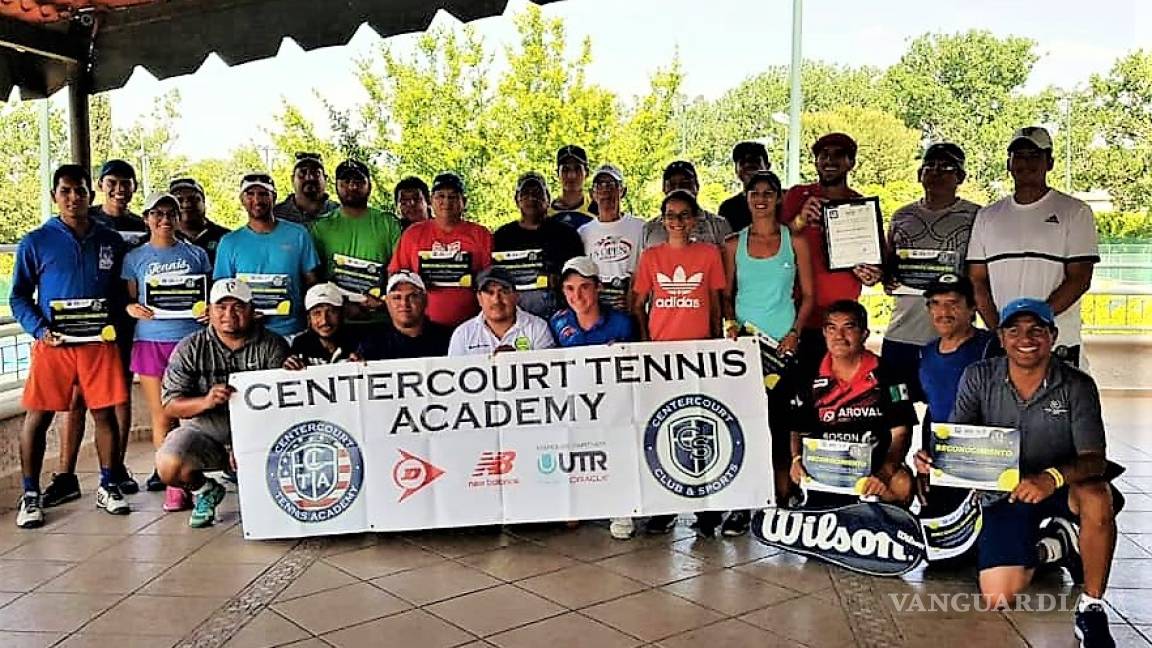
(898, 393)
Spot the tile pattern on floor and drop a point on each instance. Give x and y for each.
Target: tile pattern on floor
(147, 580)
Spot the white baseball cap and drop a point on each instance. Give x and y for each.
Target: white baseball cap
(404, 276)
(230, 289)
(583, 266)
(157, 197)
(611, 171)
(323, 293)
(1037, 135)
(257, 179)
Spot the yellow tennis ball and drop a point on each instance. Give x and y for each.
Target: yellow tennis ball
(108, 333)
(859, 486)
(284, 307)
(942, 431)
(1008, 480)
(199, 308)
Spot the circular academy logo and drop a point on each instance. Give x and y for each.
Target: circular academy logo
(694, 445)
(314, 471)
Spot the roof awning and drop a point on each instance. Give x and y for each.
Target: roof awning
(43, 42)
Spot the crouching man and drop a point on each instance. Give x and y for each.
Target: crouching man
(1064, 510)
(196, 390)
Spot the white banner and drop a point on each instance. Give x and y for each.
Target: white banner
(564, 434)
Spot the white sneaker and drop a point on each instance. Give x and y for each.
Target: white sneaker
(30, 515)
(622, 528)
(109, 498)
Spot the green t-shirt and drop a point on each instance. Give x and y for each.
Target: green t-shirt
(355, 251)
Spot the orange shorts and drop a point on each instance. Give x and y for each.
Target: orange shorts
(54, 372)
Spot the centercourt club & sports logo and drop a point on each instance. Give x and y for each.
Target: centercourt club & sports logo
(314, 471)
(694, 446)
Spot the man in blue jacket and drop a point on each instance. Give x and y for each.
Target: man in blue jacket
(64, 294)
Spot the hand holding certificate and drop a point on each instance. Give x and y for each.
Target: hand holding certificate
(836, 466)
(975, 456)
(77, 321)
(852, 233)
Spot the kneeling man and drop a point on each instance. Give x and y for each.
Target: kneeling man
(1063, 510)
(196, 391)
(852, 400)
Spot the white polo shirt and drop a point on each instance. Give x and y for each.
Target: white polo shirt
(1027, 246)
(473, 337)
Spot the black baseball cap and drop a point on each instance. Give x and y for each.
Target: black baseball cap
(572, 151)
(494, 273)
(448, 180)
(749, 149)
(118, 168)
(842, 140)
(947, 283)
(349, 168)
(680, 166)
(308, 159)
(945, 151)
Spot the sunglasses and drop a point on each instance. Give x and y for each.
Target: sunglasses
(307, 156)
(257, 177)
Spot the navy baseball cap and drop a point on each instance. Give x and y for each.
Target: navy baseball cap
(350, 169)
(1037, 308)
(448, 180)
(495, 274)
(118, 168)
(947, 283)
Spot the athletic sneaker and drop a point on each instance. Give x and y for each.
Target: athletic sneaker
(127, 483)
(30, 515)
(155, 484)
(110, 499)
(660, 524)
(622, 528)
(65, 487)
(737, 524)
(705, 527)
(1066, 533)
(1092, 628)
(176, 499)
(205, 503)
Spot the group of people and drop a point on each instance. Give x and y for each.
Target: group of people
(308, 280)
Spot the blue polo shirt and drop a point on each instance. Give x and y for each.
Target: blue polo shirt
(286, 250)
(52, 263)
(940, 372)
(613, 326)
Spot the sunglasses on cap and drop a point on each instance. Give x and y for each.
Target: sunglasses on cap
(257, 177)
(307, 156)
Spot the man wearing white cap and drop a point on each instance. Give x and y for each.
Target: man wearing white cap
(613, 239)
(328, 339)
(501, 325)
(276, 258)
(196, 391)
(1038, 242)
(409, 333)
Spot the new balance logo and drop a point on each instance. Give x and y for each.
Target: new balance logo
(1052, 219)
(494, 464)
(678, 285)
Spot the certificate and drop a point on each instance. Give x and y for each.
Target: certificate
(77, 321)
(614, 293)
(525, 266)
(975, 456)
(852, 233)
(953, 534)
(357, 276)
(917, 268)
(836, 466)
(176, 296)
(446, 268)
(270, 293)
(774, 364)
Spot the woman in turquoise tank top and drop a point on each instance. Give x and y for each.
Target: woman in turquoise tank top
(765, 264)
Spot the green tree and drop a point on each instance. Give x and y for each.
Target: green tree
(1116, 152)
(20, 188)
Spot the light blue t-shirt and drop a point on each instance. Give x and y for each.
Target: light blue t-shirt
(287, 250)
(181, 259)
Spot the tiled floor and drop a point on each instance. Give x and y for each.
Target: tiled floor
(89, 579)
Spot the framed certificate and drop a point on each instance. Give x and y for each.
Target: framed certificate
(836, 466)
(446, 268)
(916, 268)
(176, 296)
(853, 233)
(525, 266)
(357, 276)
(78, 321)
(975, 456)
(270, 293)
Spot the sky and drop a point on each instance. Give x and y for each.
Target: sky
(720, 42)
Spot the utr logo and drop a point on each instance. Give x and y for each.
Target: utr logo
(494, 464)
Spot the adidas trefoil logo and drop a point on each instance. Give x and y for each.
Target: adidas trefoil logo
(678, 285)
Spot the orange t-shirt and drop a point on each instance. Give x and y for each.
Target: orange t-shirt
(468, 243)
(681, 281)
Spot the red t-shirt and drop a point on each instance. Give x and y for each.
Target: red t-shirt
(681, 281)
(830, 286)
(467, 249)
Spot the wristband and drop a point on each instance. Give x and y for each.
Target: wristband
(729, 323)
(1056, 475)
(797, 458)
